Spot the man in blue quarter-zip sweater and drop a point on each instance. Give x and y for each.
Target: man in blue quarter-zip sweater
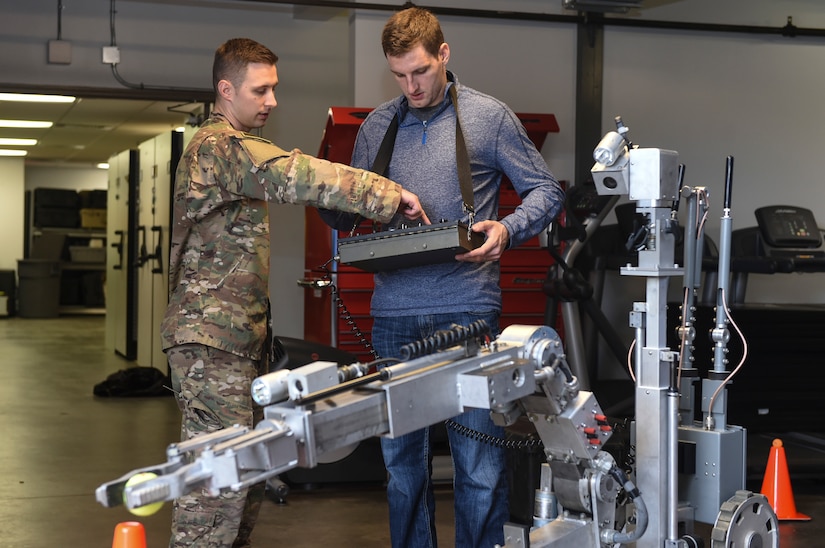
(413, 303)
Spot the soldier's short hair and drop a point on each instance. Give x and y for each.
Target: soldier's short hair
(410, 27)
(233, 56)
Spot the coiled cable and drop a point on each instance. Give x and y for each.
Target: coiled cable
(444, 339)
(344, 313)
(508, 442)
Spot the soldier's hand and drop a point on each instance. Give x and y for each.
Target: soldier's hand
(411, 208)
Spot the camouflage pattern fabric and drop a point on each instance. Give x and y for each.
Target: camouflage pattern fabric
(216, 324)
(213, 392)
(219, 264)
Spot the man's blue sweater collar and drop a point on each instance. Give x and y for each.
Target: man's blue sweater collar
(403, 106)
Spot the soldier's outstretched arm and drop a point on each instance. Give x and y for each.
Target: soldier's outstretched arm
(295, 177)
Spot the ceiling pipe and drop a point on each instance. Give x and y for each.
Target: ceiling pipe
(789, 30)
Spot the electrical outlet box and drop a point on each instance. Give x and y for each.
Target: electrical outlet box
(111, 55)
(60, 52)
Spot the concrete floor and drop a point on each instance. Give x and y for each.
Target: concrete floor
(60, 442)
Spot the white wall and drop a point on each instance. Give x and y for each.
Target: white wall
(530, 66)
(704, 94)
(15, 179)
(66, 177)
(164, 44)
(12, 208)
(769, 13)
(312, 80)
(754, 98)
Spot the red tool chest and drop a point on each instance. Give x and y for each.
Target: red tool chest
(337, 297)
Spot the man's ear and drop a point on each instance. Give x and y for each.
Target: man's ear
(226, 90)
(444, 53)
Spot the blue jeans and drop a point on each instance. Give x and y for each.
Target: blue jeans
(480, 482)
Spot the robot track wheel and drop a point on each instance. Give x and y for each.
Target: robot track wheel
(746, 519)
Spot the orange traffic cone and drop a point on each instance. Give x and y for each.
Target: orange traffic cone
(129, 534)
(777, 485)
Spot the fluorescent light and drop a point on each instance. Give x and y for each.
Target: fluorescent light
(35, 98)
(28, 124)
(6, 141)
(7, 152)
(180, 129)
(102, 165)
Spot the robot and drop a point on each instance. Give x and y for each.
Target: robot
(319, 412)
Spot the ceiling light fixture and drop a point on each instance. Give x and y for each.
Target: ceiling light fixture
(102, 165)
(7, 152)
(36, 98)
(7, 141)
(27, 124)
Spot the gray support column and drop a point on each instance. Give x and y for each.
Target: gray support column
(589, 80)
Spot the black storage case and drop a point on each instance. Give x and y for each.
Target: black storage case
(56, 197)
(55, 217)
(92, 199)
(56, 208)
(8, 287)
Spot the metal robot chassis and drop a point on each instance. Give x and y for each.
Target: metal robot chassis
(319, 412)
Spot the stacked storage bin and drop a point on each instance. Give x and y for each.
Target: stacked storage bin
(56, 208)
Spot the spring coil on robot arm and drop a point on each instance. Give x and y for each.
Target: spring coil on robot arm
(444, 339)
(449, 338)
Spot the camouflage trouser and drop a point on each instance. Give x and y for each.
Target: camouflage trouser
(213, 392)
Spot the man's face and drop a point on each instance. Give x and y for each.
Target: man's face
(422, 77)
(254, 97)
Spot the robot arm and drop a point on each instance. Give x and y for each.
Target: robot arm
(311, 417)
(230, 459)
(318, 413)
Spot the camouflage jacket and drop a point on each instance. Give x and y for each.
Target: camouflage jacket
(219, 264)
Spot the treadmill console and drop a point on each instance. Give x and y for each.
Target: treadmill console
(788, 226)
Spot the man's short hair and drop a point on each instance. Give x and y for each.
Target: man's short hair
(233, 56)
(408, 28)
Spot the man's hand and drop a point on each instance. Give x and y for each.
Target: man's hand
(411, 208)
(496, 243)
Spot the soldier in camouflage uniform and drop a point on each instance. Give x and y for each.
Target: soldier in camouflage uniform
(215, 327)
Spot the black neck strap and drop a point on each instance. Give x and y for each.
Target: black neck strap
(462, 158)
(382, 160)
